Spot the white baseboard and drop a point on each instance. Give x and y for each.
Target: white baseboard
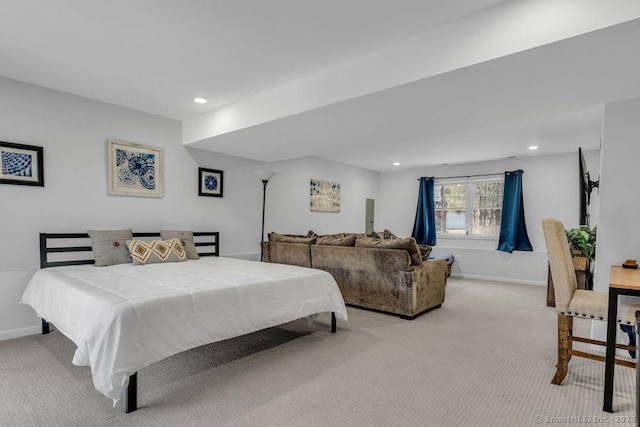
(22, 332)
(499, 279)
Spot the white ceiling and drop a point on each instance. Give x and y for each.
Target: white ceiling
(156, 55)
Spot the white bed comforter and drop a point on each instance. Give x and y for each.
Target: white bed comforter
(126, 317)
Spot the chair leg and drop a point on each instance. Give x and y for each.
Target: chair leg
(564, 344)
(570, 336)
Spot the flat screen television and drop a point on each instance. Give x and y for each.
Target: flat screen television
(585, 186)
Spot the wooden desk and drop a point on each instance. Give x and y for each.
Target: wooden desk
(622, 281)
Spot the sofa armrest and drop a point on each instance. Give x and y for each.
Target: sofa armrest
(287, 253)
(430, 280)
(379, 279)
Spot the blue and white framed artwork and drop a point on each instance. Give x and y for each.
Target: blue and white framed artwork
(325, 196)
(134, 169)
(209, 182)
(21, 164)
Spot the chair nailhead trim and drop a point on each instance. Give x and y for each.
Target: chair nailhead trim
(592, 316)
(601, 318)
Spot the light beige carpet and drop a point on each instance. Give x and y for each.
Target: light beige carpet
(486, 358)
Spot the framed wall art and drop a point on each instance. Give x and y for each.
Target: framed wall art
(21, 164)
(325, 196)
(209, 182)
(134, 169)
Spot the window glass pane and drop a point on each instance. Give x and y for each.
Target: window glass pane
(454, 198)
(487, 207)
(437, 199)
(471, 207)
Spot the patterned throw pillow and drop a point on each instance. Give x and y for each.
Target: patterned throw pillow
(386, 234)
(186, 238)
(156, 251)
(425, 251)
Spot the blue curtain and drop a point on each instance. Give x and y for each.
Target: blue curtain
(424, 227)
(513, 230)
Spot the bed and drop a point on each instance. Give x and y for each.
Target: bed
(125, 317)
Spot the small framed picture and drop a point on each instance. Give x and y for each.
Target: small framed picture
(134, 169)
(21, 164)
(210, 182)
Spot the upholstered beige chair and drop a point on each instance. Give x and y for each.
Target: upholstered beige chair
(572, 302)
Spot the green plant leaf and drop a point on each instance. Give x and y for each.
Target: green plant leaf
(584, 240)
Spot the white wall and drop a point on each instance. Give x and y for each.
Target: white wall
(550, 186)
(618, 229)
(287, 202)
(619, 223)
(73, 132)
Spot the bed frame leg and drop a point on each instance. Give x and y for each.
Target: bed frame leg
(131, 401)
(333, 322)
(45, 327)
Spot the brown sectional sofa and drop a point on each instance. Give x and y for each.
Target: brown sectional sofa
(376, 278)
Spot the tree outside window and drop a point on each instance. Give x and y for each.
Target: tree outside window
(472, 207)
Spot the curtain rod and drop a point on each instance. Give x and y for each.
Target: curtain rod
(472, 176)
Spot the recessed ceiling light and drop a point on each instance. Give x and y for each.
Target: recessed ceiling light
(396, 163)
(533, 147)
(199, 100)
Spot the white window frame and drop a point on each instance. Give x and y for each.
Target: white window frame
(468, 207)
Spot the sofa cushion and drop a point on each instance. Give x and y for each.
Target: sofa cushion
(334, 236)
(336, 241)
(409, 244)
(275, 237)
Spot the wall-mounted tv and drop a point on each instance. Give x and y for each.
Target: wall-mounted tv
(585, 186)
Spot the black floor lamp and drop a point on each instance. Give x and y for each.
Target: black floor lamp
(265, 176)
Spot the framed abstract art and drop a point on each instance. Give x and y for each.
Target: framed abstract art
(325, 196)
(209, 182)
(134, 169)
(21, 164)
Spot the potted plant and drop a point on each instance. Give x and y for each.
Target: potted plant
(582, 242)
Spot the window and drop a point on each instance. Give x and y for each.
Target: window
(470, 207)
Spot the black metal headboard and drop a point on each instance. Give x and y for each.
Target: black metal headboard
(204, 239)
